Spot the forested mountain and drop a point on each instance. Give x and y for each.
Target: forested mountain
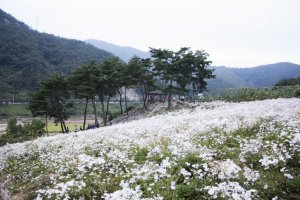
(28, 56)
(125, 53)
(261, 76)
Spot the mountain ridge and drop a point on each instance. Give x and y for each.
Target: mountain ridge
(124, 52)
(28, 56)
(226, 77)
(260, 76)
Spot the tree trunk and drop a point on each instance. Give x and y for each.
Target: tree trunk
(64, 125)
(145, 102)
(165, 92)
(61, 125)
(126, 100)
(103, 110)
(85, 111)
(106, 113)
(95, 111)
(121, 107)
(144, 97)
(170, 94)
(62, 128)
(47, 125)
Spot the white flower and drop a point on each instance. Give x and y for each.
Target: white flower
(184, 172)
(289, 176)
(110, 149)
(230, 190)
(173, 185)
(226, 169)
(251, 175)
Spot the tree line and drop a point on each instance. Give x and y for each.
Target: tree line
(177, 72)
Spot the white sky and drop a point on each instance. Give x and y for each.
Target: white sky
(236, 33)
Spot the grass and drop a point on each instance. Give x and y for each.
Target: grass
(9, 110)
(21, 110)
(53, 128)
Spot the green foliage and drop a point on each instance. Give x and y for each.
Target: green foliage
(297, 93)
(109, 82)
(113, 115)
(141, 155)
(247, 131)
(13, 128)
(28, 56)
(139, 73)
(288, 82)
(131, 107)
(36, 128)
(191, 191)
(292, 188)
(9, 110)
(253, 94)
(51, 100)
(18, 133)
(180, 69)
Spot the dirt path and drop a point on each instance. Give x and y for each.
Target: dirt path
(2, 128)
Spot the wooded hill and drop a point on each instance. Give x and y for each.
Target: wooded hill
(261, 76)
(28, 56)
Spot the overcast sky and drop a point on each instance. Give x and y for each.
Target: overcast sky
(236, 33)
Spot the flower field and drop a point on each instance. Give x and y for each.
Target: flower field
(248, 150)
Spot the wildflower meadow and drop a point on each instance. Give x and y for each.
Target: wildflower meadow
(215, 150)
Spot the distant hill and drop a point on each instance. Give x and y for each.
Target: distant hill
(261, 76)
(125, 53)
(226, 77)
(27, 56)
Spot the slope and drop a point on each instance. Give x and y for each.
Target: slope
(261, 76)
(216, 150)
(27, 56)
(125, 53)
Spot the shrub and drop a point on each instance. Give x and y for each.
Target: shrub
(12, 127)
(113, 114)
(35, 128)
(18, 133)
(297, 92)
(131, 107)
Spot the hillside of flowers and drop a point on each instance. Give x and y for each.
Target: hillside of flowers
(217, 150)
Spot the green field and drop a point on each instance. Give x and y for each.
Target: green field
(8, 110)
(52, 128)
(75, 115)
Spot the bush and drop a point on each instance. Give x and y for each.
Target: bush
(297, 92)
(35, 128)
(131, 107)
(113, 115)
(19, 133)
(12, 127)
